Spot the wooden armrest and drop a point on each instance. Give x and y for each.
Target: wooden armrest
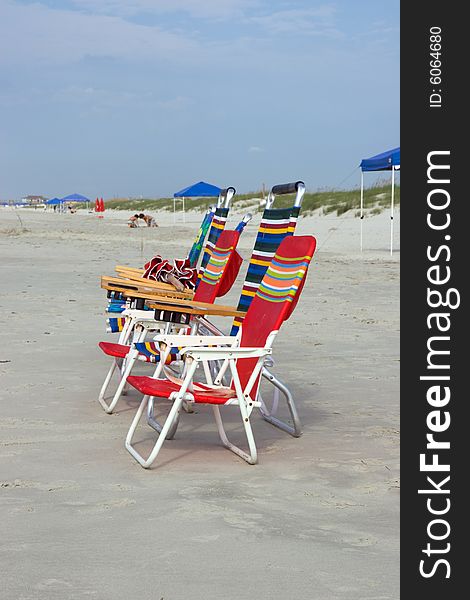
(165, 300)
(192, 307)
(125, 269)
(143, 286)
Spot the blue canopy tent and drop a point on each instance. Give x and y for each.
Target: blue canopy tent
(386, 161)
(382, 162)
(197, 190)
(53, 201)
(76, 198)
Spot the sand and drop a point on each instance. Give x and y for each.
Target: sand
(317, 518)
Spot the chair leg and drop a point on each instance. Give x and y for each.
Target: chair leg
(146, 463)
(121, 374)
(117, 394)
(270, 415)
(167, 426)
(125, 369)
(252, 457)
(154, 424)
(130, 362)
(104, 387)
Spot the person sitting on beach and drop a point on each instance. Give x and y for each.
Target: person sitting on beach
(149, 220)
(133, 221)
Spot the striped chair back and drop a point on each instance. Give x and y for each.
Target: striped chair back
(213, 274)
(198, 243)
(276, 224)
(150, 352)
(273, 300)
(218, 225)
(115, 324)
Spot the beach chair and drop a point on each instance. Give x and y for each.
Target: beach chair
(198, 244)
(243, 355)
(214, 223)
(215, 218)
(276, 224)
(224, 263)
(217, 226)
(125, 323)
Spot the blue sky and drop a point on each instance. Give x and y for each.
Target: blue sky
(144, 97)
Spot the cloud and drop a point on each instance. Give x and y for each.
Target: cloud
(207, 9)
(103, 99)
(174, 104)
(97, 29)
(312, 21)
(64, 36)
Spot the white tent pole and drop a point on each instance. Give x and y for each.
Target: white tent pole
(362, 202)
(391, 211)
(174, 210)
(184, 215)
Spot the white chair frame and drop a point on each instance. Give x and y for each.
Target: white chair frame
(200, 354)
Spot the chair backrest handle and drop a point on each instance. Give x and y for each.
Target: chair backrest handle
(297, 187)
(225, 196)
(286, 188)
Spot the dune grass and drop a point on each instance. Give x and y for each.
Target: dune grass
(376, 199)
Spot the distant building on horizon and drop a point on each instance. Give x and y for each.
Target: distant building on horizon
(34, 199)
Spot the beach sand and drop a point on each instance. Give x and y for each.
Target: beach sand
(316, 519)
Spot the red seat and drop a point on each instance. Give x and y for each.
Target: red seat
(117, 350)
(163, 388)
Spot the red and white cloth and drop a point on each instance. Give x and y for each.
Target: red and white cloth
(158, 269)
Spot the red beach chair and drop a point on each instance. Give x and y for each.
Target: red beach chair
(243, 355)
(276, 224)
(224, 263)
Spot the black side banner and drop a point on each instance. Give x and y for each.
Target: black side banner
(434, 255)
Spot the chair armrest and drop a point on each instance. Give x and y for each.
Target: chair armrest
(199, 354)
(195, 340)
